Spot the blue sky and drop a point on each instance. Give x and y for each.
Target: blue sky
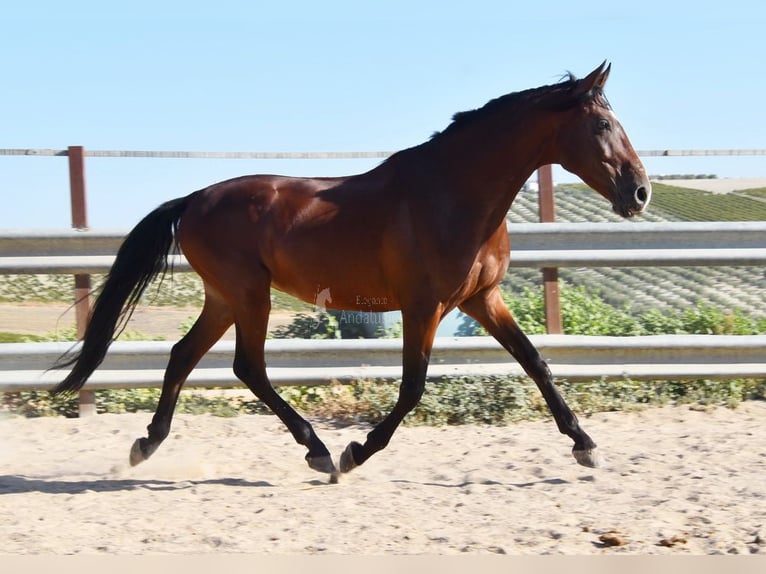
(344, 76)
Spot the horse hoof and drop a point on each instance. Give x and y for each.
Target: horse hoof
(347, 461)
(322, 464)
(590, 458)
(136, 454)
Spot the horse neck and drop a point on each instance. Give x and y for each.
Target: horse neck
(485, 165)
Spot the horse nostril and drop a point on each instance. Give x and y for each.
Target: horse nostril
(641, 195)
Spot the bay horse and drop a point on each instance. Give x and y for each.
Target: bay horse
(424, 232)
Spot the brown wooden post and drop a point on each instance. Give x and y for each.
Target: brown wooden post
(550, 274)
(81, 281)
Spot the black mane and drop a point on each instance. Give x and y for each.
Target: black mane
(559, 96)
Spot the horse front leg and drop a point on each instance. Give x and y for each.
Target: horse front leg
(489, 309)
(418, 334)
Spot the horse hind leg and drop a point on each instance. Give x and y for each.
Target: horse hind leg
(209, 328)
(251, 318)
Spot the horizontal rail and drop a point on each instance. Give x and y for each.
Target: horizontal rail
(325, 155)
(543, 258)
(316, 362)
(533, 245)
(69, 265)
(205, 154)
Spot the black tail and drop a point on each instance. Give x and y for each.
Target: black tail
(141, 258)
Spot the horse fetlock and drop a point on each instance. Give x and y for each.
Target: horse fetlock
(378, 439)
(304, 434)
(158, 431)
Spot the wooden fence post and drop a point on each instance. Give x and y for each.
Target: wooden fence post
(87, 400)
(550, 274)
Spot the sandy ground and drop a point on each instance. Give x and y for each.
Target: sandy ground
(678, 481)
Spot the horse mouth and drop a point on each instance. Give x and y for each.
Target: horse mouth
(626, 212)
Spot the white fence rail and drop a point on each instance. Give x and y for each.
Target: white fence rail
(158, 154)
(532, 245)
(315, 362)
(22, 366)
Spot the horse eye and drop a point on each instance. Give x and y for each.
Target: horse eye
(603, 125)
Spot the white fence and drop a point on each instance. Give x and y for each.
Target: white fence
(156, 154)
(314, 362)
(532, 245)
(22, 366)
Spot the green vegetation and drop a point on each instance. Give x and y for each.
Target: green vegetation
(309, 326)
(759, 192)
(586, 313)
(672, 203)
(682, 204)
(453, 401)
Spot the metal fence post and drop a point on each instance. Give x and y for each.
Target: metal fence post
(87, 399)
(550, 274)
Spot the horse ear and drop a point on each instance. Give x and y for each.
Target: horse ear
(595, 80)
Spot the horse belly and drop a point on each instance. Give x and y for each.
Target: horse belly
(334, 278)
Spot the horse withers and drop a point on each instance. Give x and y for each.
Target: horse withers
(423, 232)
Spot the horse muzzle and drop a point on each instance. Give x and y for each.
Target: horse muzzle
(635, 202)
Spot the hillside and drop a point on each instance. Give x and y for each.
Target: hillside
(661, 287)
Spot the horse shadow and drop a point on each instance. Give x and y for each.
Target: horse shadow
(19, 484)
(545, 481)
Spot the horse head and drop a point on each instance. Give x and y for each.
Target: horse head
(592, 144)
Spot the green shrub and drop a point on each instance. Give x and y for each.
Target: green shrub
(586, 313)
(450, 401)
(309, 326)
